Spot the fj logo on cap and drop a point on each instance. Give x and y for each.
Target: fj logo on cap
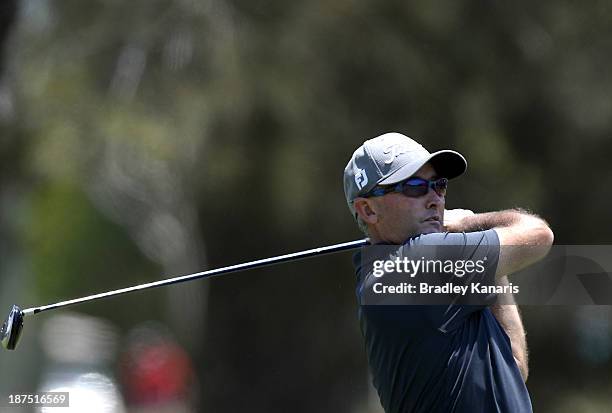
(361, 179)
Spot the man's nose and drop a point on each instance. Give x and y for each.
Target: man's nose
(434, 200)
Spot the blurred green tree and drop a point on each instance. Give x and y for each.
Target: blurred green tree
(208, 133)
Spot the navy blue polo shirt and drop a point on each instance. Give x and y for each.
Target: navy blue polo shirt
(442, 358)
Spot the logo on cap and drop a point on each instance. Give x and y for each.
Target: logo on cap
(361, 179)
(394, 151)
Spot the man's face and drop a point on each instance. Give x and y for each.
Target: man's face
(401, 217)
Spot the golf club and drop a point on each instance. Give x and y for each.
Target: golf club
(13, 325)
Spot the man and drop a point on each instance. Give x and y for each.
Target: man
(440, 358)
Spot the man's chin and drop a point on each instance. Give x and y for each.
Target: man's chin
(431, 227)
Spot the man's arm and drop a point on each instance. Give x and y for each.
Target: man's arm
(533, 238)
(507, 314)
(525, 238)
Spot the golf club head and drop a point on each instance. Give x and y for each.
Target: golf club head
(11, 329)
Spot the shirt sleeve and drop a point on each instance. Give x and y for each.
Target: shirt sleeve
(481, 249)
(459, 249)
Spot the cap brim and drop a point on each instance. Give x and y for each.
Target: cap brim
(448, 164)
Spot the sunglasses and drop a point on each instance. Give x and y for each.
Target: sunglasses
(412, 188)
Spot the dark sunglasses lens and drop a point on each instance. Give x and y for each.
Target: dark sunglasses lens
(415, 188)
(440, 186)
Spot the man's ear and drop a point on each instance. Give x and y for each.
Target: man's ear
(366, 210)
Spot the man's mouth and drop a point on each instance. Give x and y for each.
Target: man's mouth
(434, 218)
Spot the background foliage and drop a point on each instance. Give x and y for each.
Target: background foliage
(145, 138)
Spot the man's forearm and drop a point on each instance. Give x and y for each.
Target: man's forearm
(486, 220)
(507, 314)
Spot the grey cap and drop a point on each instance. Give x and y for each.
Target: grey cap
(391, 158)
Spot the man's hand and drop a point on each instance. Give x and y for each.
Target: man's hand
(453, 218)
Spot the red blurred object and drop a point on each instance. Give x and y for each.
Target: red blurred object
(156, 373)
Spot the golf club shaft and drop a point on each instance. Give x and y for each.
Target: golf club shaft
(204, 274)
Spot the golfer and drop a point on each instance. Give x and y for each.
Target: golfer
(440, 358)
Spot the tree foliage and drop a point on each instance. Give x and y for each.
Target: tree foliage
(173, 135)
